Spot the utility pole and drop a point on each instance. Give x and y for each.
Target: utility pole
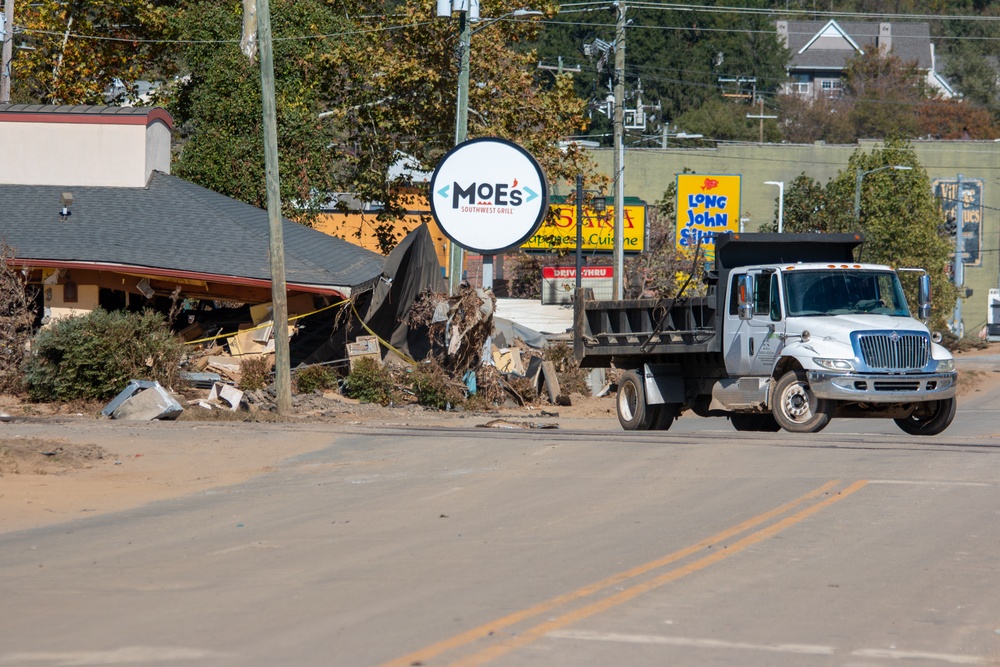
(456, 256)
(958, 327)
(619, 165)
(761, 116)
(279, 296)
(8, 51)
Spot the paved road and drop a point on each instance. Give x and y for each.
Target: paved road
(858, 546)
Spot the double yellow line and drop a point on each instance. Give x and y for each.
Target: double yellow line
(508, 643)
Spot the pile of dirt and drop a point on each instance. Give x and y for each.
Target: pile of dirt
(34, 456)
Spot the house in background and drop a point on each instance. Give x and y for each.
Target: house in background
(89, 208)
(820, 52)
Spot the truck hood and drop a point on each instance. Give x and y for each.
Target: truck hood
(830, 337)
(840, 327)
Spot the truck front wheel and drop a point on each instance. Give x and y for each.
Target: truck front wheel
(929, 418)
(796, 408)
(634, 414)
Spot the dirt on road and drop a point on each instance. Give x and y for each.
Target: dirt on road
(61, 462)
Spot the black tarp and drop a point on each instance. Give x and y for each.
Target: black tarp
(410, 269)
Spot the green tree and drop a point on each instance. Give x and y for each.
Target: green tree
(679, 56)
(218, 104)
(899, 216)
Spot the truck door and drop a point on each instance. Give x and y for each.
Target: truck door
(752, 346)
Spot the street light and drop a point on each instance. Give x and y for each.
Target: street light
(468, 12)
(781, 202)
(861, 175)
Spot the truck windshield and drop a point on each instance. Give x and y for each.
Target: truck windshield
(843, 292)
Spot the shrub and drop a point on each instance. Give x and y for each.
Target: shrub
(254, 373)
(311, 378)
(433, 388)
(94, 356)
(370, 382)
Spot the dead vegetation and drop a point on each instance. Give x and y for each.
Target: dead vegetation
(17, 315)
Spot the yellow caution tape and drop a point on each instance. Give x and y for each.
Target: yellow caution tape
(264, 326)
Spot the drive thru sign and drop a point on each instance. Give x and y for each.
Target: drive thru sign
(489, 195)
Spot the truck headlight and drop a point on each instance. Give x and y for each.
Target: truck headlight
(834, 364)
(946, 365)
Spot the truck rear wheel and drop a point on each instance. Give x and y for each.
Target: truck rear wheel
(929, 418)
(754, 422)
(796, 408)
(665, 414)
(633, 412)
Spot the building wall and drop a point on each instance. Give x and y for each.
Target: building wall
(648, 172)
(111, 154)
(57, 307)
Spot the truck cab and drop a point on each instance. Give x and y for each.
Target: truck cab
(836, 339)
(792, 332)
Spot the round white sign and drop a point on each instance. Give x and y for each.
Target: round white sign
(489, 195)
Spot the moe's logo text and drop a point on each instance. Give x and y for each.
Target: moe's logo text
(487, 197)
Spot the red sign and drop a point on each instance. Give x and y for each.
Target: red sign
(569, 272)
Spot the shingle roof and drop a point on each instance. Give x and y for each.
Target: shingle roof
(174, 225)
(910, 41)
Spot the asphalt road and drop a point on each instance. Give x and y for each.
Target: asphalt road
(856, 546)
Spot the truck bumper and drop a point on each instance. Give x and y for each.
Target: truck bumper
(864, 388)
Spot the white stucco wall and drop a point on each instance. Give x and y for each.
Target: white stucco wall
(82, 153)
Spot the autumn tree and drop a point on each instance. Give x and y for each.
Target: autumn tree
(77, 48)
(886, 93)
(394, 92)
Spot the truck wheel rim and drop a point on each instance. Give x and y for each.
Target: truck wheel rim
(628, 402)
(796, 403)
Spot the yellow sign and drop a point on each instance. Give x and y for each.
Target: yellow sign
(558, 231)
(706, 206)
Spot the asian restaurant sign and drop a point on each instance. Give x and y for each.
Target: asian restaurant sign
(707, 206)
(558, 231)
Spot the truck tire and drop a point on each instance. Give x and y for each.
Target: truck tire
(633, 412)
(929, 418)
(664, 416)
(796, 408)
(754, 422)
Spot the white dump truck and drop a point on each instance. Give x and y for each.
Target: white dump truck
(793, 332)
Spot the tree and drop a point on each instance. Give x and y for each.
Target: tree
(218, 104)
(396, 94)
(679, 56)
(899, 216)
(885, 92)
(78, 48)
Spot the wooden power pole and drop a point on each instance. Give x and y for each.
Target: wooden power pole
(279, 297)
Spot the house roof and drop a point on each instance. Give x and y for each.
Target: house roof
(84, 113)
(173, 228)
(910, 41)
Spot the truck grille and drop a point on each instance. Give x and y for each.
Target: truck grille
(895, 351)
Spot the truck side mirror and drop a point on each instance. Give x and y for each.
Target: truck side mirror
(924, 297)
(744, 296)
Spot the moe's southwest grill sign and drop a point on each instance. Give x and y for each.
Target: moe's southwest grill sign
(489, 195)
(706, 207)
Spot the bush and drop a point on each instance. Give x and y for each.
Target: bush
(433, 388)
(311, 378)
(94, 356)
(370, 382)
(254, 373)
